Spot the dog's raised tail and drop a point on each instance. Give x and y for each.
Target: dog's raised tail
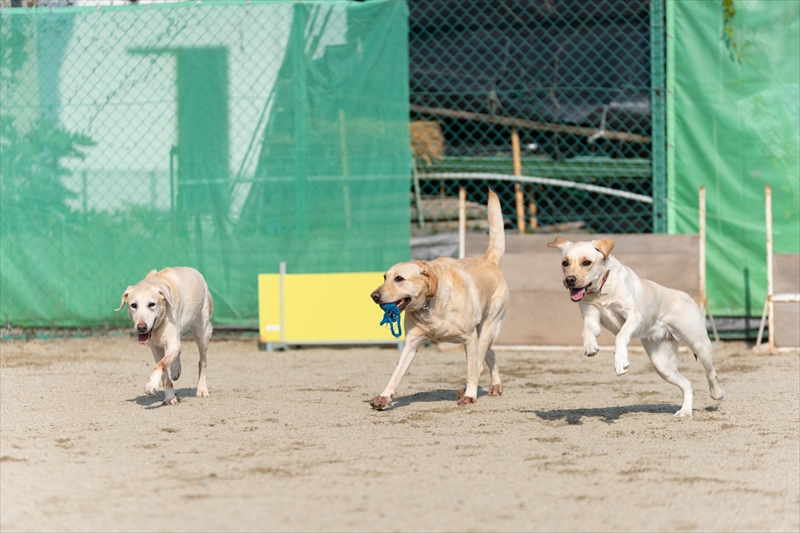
(497, 235)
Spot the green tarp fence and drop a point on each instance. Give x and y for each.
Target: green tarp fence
(227, 136)
(734, 126)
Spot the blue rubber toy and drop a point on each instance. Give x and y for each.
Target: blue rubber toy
(391, 314)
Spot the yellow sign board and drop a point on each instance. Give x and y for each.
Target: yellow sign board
(319, 308)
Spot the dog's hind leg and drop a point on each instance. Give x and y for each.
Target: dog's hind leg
(202, 335)
(487, 333)
(475, 358)
(495, 385)
(698, 342)
(663, 354)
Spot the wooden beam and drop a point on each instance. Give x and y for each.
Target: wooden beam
(529, 124)
(462, 221)
(518, 172)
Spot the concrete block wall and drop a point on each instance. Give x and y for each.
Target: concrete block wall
(786, 280)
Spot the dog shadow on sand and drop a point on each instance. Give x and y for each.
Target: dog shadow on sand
(605, 414)
(157, 400)
(439, 395)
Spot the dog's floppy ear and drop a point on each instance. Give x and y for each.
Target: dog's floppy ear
(166, 293)
(559, 243)
(604, 246)
(433, 281)
(124, 298)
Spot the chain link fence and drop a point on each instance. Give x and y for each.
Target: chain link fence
(556, 92)
(225, 136)
(231, 136)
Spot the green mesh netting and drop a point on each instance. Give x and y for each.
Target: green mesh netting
(226, 136)
(735, 127)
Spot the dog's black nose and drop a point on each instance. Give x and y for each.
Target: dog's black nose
(570, 281)
(141, 328)
(376, 297)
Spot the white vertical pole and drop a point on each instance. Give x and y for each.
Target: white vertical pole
(283, 322)
(343, 137)
(768, 206)
(706, 308)
(462, 222)
(702, 231)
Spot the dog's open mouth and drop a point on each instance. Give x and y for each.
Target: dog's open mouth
(144, 338)
(402, 303)
(577, 295)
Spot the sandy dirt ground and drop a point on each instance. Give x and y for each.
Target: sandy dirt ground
(287, 442)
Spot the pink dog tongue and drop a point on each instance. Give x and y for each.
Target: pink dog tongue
(144, 338)
(577, 294)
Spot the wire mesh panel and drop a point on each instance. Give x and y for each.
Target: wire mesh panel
(556, 89)
(226, 136)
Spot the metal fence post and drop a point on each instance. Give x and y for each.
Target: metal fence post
(658, 115)
(300, 86)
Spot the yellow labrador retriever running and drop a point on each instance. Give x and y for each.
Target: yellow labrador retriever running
(451, 300)
(612, 295)
(162, 306)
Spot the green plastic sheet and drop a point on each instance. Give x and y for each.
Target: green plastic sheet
(227, 136)
(734, 127)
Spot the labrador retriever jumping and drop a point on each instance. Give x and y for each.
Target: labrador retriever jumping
(612, 295)
(451, 300)
(162, 306)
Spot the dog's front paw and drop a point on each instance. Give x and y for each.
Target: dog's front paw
(379, 402)
(464, 400)
(496, 390)
(202, 393)
(170, 401)
(151, 388)
(621, 362)
(684, 413)
(591, 349)
(175, 369)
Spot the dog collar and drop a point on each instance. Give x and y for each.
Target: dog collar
(426, 307)
(601, 283)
